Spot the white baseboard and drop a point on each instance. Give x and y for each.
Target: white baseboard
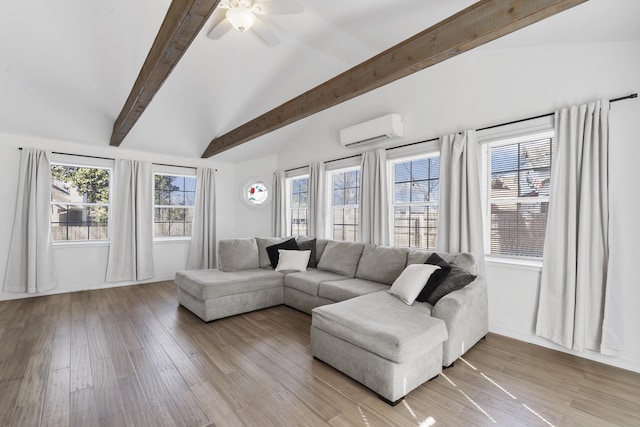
(60, 290)
(619, 362)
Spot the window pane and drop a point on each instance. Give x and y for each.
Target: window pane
(338, 232)
(190, 183)
(72, 188)
(338, 216)
(338, 180)
(304, 184)
(79, 185)
(504, 184)
(338, 197)
(420, 191)
(402, 172)
(304, 199)
(420, 169)
(351, 179)
(402, 192)
(351, 196)
(518, 226)
(434, 171)
(350, 233)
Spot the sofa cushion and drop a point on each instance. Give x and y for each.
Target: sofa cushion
(381, 263)
(467, 262)
(341, 258)
(341, 290)
(292, 260)
(457, 278)
(321, 244)
(263, 243)
(436, 278)
(308, 244)
(382, 324)
(207, 284)
(273, 253)
(308, 281)
(238, 254)
(411, 281)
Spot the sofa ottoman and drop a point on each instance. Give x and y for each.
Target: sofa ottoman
(379, 341)
(214, 294)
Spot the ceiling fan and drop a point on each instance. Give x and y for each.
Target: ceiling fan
(244, 15)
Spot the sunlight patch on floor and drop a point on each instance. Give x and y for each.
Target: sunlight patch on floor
(538, 415)
(364, 417)
(478, 406)
(486, 377)
(427, 423)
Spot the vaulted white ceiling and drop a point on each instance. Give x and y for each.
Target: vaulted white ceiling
(67, 66)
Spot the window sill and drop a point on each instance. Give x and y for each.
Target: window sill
(172, 240)
(79, 243)
(520, 264)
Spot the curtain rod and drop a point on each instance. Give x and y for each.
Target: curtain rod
(622, 98)
(110, 158)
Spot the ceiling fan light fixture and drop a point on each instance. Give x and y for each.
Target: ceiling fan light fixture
(241, 18)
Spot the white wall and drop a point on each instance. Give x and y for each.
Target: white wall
(490, 86)
(83, 266)
(251, 222)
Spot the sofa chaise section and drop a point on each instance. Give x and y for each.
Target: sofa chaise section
(214, 294)
(380, 341)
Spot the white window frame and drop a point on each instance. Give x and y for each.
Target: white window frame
(530, 133)
(331, 225)
(170, 171)
(393, 204)
(92, 163)
(289, 187)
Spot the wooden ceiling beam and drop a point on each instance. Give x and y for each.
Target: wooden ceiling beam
(478, 24)
(181, 25)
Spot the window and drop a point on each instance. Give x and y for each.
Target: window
(174, 197)
(345, 186)
(415, 202)
(79, 202)
(298, 205)
(518, 196)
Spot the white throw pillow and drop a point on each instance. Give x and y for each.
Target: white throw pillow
(293, 260)
(408, 285)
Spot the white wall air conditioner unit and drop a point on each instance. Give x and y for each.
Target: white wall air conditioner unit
(380, 129)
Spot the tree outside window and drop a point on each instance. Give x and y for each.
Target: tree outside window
(79, 203)
(174, 200)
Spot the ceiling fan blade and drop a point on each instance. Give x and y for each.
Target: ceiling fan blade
(220, 29)
(277, 7)
(265, 33)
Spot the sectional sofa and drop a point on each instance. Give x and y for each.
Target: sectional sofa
(358, 327)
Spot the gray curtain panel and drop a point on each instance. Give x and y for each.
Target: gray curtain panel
(460, 207)
(573, 289)
(202, 251)
(30, 266)
(279, 204)
(131, 221)
(316, 215)
(373, 217)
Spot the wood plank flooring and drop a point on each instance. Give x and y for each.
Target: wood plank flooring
(131, 356)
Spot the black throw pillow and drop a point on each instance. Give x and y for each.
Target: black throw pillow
(458, 278)
(272, 250)
(309, 245)
(436, 278)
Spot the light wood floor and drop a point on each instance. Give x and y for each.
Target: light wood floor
(130, 356)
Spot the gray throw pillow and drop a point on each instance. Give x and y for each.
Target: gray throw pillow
(341, 258)
(309, 245)
(238, 254)
(456, 279)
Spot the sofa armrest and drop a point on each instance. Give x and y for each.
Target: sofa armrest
(466, 315)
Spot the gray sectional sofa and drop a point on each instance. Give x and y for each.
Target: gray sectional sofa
(358, 327)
